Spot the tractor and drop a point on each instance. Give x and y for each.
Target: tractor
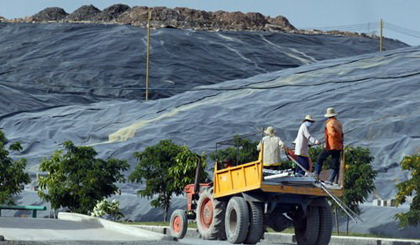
(242, 202)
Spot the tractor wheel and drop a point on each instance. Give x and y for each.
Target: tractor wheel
(256, 229)
(325, 224)
(307, 228)
(237, 220)
(210, 216)
(178, 224)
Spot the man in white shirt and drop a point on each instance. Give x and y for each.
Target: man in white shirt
(272, 146)
(302, 140)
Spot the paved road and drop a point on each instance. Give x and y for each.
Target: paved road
(28, 231)
(197, 241)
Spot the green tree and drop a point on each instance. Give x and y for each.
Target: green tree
(410, 187)
(12, 173)
(3, 139)
(77, 179)
(165, 168)
(359, 174)
(241, 151)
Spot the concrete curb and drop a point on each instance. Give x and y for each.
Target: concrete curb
(290, 238)
(143, 234)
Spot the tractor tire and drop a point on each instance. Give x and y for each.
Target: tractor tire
(178, 224)
(307, 228)
(325, 224)
(237, 220)
(256, 228)
(210, 216)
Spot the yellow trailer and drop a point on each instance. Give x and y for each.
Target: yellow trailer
(240, 203)
(249, 177)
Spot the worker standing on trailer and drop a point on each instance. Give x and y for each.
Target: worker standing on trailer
(334, 138)
(302, 140)
(272, 145)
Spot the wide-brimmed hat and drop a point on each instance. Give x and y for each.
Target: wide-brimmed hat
(270, 131)
(308, 118)
(330, 112)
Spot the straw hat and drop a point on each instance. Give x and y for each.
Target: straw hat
(308, 118)
(330, 112)
(270, 131)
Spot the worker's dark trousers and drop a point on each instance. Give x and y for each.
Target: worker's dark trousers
(336, 162)
(304, 161)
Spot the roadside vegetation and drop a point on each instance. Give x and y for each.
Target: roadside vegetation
(106, 208)
(359, 178)
(410, 187)
(77, 180)
(13, 173)
(359, 174)
(241, 150)
(166, 168)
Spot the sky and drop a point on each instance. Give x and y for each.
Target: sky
(301, 13)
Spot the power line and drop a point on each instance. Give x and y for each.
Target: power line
(370, 26)
(363, 26)
(402, 30)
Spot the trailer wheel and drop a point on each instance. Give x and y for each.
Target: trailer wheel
(256, 229)
(178, 224)
(210, 216)
(307, 229)
(237, 220)
(325, 224)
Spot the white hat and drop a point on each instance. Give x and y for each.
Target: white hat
(308, 118)
(330, 112)
(270, 131)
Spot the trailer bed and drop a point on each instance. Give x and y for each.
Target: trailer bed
(249, 177)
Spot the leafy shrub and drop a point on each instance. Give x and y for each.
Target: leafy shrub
(242, 151)
(77, 179)
(359, 174)
(166, 168)
(12, 172)
(106, 207)
(410, 187)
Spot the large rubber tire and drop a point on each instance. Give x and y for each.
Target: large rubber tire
(307, 229)
(178, 224)
(325, 224)
(237, 220)
(210, 216)
(256, 220)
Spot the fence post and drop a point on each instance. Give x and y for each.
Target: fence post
(381, 27)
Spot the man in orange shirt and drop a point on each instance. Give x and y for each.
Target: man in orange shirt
(333, 144)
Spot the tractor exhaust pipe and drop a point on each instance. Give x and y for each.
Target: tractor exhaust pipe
(197, 179)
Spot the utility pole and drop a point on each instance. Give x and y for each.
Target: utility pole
(381, 27)
(148, 55)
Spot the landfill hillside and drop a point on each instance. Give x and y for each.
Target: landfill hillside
(375, 94)
(81, 63)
